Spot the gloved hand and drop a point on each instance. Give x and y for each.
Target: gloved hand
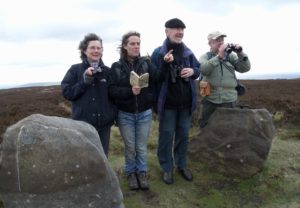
(87, 79)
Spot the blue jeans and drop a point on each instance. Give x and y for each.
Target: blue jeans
(173, 124)
(135, 130)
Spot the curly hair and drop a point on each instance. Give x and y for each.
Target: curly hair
(125, 37)
(85, 42)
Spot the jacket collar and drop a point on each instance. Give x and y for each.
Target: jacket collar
(186, 51)
(87, 64)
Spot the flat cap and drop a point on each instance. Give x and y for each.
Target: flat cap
(174, 23)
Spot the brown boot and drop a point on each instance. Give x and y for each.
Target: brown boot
(132, 181)
(143, 181)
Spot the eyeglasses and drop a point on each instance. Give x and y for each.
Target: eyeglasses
(94, 48)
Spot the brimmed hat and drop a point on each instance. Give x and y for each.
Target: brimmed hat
(174, 23)
(215, 35)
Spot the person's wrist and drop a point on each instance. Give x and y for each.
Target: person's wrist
(219, 57)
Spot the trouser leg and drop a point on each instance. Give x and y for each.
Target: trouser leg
(181, 137)
(104, 135)
(167, 125)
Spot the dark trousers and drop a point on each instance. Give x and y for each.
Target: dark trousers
(207, 109)
(104, 135)
(174, 127)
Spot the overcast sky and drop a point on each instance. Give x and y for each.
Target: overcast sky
(39, 38)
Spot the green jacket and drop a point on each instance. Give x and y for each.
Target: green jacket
(221, 75)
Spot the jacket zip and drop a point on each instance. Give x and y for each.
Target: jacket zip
(131, 68)
(136, 105)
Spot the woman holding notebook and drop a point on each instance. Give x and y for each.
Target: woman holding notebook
(131, 88)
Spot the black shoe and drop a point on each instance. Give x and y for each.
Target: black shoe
(186, 174)
(132, 181)
(142, 180)
(168, 177)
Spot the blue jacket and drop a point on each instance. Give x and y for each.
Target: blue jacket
(189, 60)
(90, 102)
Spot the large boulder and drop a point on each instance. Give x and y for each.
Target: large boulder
(51, 162)
(235, 142)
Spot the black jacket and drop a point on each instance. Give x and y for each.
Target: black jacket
(90, 102)
(121, 90)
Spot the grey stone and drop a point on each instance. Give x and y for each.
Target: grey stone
(236, 142)
(51, 162)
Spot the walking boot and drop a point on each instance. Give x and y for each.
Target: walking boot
(168, 177)
(143, 181)
(132, 181)
(186, 174)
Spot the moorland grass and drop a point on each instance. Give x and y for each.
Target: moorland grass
(277, 185)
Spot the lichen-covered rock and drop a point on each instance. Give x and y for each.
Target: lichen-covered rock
(56, 162)
(235, 142)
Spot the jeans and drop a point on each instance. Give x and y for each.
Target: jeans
(208, 108)
(173, 123)
(135, 130)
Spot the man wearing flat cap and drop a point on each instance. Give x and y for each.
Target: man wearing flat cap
(176, 99)
(218, 69)
(175, 23)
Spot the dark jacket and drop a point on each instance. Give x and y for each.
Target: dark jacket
(90, 102)
(121, 90)
(188, 60)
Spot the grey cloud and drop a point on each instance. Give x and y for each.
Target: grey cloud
(61, 31)
(103, 5)
(29, 63)
(67, 28)
(224, 7)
